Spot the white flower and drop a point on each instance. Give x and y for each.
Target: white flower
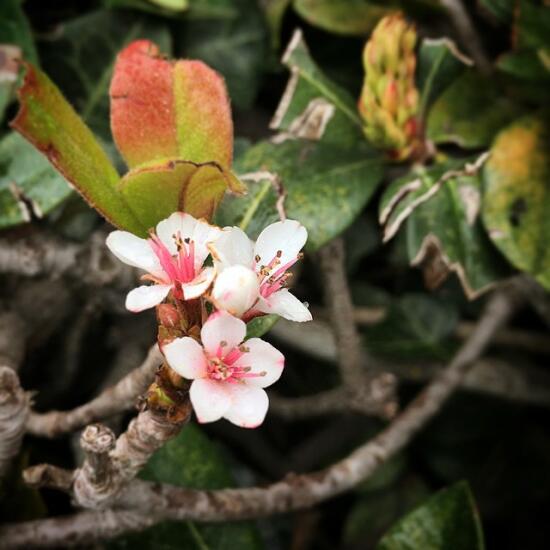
(276, 250)
(228, 376)
(173, 257)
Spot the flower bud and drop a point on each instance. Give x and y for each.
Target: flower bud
(168, 316)
(389, 101)
(236, 290)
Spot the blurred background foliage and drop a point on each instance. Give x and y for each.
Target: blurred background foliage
(487, 225)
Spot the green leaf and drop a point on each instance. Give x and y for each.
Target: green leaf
(160, 7)
(469, 112)
(530, 59)
(260, 325)
(313, 106)
(530, 65)
(46, 119)
(378, 509)
(29, 185)
(415, 326)
(326, 187)
(208, 9)
(236, 47)
(274, 11)
(502, 10)
(15, 29)
(447, 521)
(441, 208)
(348, 17)
(81, 58)
(532, 24)
(156, 189)
(439, 63)
(191, 460)
(516, 202)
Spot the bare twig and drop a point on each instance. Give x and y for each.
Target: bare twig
(158, 502)
(48, 476)
(81, 528)
(45, 254)
(467, 33)
(336, 400)
(146, 433)
(523, 382)
(118, 398)
(14, 408)
(360, 384)
(12, 340)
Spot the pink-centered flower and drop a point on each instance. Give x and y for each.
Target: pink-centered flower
(252, 277)
(173, 256)
(228, 375)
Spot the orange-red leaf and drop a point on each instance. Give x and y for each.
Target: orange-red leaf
(162, 109)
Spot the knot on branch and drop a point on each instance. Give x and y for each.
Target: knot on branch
(377, 397)
(97, 439)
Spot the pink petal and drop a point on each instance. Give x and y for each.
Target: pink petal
(286, 305)
(263, 359)
(210, 399)
(289, 237)
(145, 297)
(233, 247)
(186, 357)
(236, 290)
(222, 327)
(133, 251)
(199, 285)
(248, 405)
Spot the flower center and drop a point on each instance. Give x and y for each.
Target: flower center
(222, 366)
(273, 276)
(180, 267)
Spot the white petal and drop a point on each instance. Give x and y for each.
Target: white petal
(236, 289)
(210, 399)
(289, 237)
(133, 251)
(199, 285)
(186, 357)
(233, 247)
(203, 235)
(222, 327)
(286, 305)
(145, 297)
(248, 405)
(178, 222)
(263, 359)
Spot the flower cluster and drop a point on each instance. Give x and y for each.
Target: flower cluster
(244, 280)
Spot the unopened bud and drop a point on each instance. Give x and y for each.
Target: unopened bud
(168, 316)
(389, 99)
(236, 290)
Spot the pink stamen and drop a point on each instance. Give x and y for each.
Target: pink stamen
(164, 256)
(224, 371)
(233, 356)
(284, 268)
(179, 268)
